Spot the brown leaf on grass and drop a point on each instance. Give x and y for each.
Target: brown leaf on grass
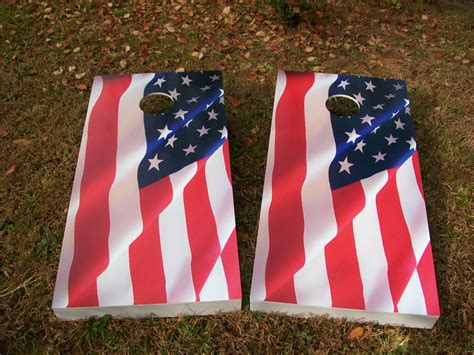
(123, 63)
(81, 87)
(356, 333)
(247, 142)
(3, 132)
(146, 26)
(11, 170)
(226, 10)
(80, 75)
(33, 72)
(21, 141)
(234, 102)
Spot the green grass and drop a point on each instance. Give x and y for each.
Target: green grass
(386, 39)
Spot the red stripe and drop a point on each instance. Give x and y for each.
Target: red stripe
(416, 167)
(426, 273)
(92, 224)
(146, 262)
(202, 229)
(395, 237)
(341, 256)
(230, 261)
(285, 217)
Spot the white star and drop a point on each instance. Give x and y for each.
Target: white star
(408, 110)
(375, 130)
(370, 86)
(412, 143)
(367, 119)
(164, 132)
(189, 149)
(203, 130)
(223, 132)
(378, 107)
(212, 115)
(214, 77)
(359, 98)
(407, 102)
(171, 141)
(399, 124)
(180, 114)
(343, 84)
(155, 163)
(389, 96)
(207, 87)
(345, 166)
(174, 94)
(379, 157)
(394, 114)
(391, 139)
(194, 99)
(398, 86)
(352, 136)
(160, 81)
(186, 80)
(221, 99)
(360, 146)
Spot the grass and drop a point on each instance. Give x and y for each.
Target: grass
(42, 114)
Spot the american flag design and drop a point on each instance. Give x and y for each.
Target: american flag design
(343, 227)
(150, 226)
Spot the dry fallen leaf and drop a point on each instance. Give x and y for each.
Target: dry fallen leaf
(169, 28)
(234, 101)
(76, 50)
(247, 142)
(226, 10)
(21, 141)
(179, 70)
(81, 87)
(356, 333)
(59, 71)
(11, 170)
(80, 75)
(123, 63)
(33, 72)
(309, 49)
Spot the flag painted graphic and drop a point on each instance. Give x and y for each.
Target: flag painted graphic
(343, 221)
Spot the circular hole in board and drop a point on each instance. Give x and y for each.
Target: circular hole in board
(156, 103)
(342, 105)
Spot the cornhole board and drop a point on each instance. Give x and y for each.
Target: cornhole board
(343, 227)
(150, 228)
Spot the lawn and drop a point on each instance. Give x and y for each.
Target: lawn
(50, 52)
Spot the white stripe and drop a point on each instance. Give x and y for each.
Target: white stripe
(220, 195)
(114, 285)
(222, 204)
(414, 212)
(257, 291)
(61, 297)
(212, 289)
(411, 302)
(413, 207)
(320, 226)
(176, 251)
(370, 251)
